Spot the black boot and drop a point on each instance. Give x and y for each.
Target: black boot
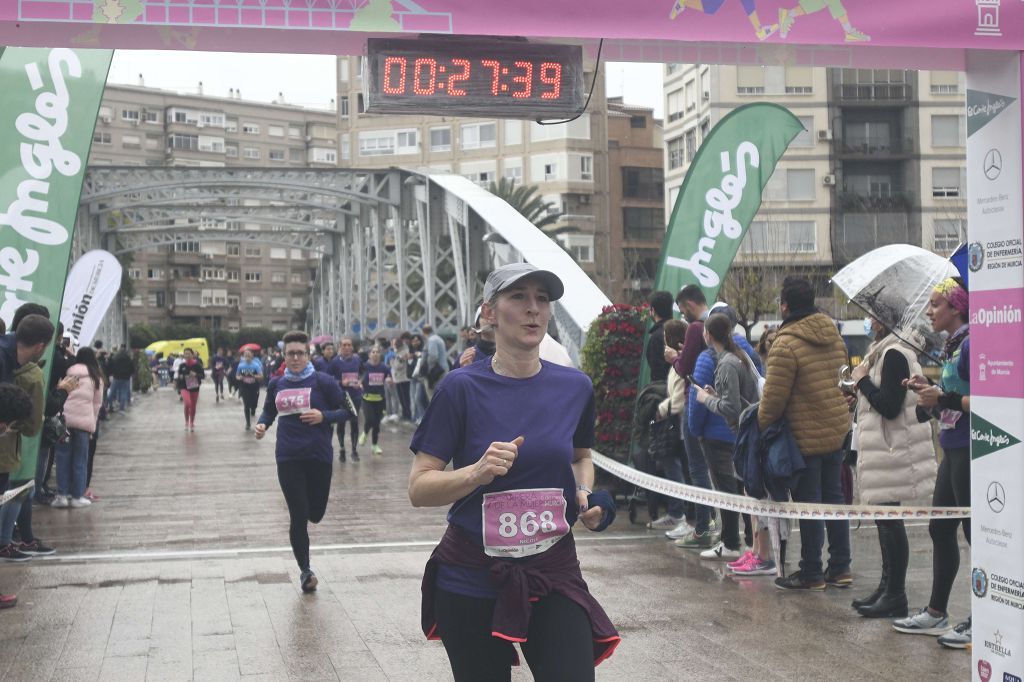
(887, 606)
(883, 583)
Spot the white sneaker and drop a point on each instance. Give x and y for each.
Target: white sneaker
(720, 551)
(80, 502)
(59, 501)
(663, 522)
(680, 531)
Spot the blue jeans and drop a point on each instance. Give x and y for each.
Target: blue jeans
(419, 399)
(673, 470)
(822, 481)
(72, 458)
(699, 474)
(121, 391)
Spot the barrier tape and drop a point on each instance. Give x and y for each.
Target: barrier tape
(781, 510)
(14, 492)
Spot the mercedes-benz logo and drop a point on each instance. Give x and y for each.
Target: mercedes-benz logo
(996, 496)
(993, 165)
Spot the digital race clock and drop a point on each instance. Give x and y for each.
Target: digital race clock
(474, 77)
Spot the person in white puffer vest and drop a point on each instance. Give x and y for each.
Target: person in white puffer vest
(895, 459)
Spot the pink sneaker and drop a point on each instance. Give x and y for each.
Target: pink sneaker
(756, 566)
(742, 560)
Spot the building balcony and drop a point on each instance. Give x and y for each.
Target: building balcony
(643, 234)
(184, 257)
(894, 202)
(873, 93)
(875, 147)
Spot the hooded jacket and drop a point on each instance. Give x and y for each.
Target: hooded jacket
(803, 384)
(82, 408)
(30, 378)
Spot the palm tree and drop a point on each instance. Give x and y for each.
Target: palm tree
(532, 206)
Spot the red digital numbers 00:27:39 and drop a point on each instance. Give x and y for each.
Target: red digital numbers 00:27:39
(519, 79)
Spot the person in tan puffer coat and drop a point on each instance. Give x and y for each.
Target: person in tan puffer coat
(803, 387)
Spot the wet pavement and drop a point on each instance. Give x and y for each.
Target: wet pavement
(183, 571)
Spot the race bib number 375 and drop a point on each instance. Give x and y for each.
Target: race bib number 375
(292, 401)
(521, 523)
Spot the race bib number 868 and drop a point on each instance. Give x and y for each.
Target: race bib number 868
(521, 523)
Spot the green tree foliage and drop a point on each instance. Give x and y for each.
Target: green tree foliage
(530, 204)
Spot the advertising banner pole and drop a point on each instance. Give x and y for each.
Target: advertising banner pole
(996, 265)
(47, 115)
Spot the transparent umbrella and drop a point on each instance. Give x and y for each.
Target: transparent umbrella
(893, 284)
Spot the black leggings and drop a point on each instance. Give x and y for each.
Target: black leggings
(560, 645)
(952, 489)
(250, 399)
(373, 411)
(403, 399)
(719, 457)
(306, 485)
(218, 384)
(353, 426)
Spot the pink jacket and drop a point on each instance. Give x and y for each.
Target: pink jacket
(83, 404)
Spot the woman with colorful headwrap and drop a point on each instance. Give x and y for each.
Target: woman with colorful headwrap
(950, 403)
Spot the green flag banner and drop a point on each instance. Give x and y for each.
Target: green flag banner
(721, 194)
(47, 115)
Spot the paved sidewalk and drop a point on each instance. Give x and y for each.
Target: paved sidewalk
(182, 571)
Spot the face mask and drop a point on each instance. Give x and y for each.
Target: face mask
(868, 329)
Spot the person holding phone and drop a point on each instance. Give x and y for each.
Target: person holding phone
(506, 569)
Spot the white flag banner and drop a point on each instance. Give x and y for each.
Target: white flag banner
(94, 280)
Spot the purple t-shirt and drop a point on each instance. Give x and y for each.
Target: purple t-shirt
(348, 371)
(473, 407)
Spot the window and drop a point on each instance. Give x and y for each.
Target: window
(674, 105)
(214, 273)
(251, 153)
(780, 236)
(298, 254)
(868, 137)
(343, 70)
(642, 183)
(673, 68)
(157, 299)
(296, 155)
(344, 108)
(323, 155)
(441, 139)
(294, 131)
(945, 83)
(297, 278)
(99, 137)
(298, 303)
(580, 246)
(253, 276)
(479, 135)
(250, 128)
(233, 301)
(276, 155)
(186, 247)
(275, 131)
(949, 233)
(211, 144)
(749, 80)
(806, 137)
(253, 252)
(513, 132)
(947, 182)
(153, 141)
(233, 249)
(279, 302)
(277, 252)
(184, 142)
(346, 147)
(132, 141)
(948, 131)
(407, 141)
(638, 122)
(691, 144)
(232, 275)
(644, 224)
(799, 80)
(134, 273)
(675, 153)
(691, 95)
(277, 278)
(131, 115)
(376, 143)
(231, 151)
(253, 302)
(187, 297)
(514, 169)
(155, 273)
(231, 125)
(551, 171)
(800, 184)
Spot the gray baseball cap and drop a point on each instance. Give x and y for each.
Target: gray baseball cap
(507, 275)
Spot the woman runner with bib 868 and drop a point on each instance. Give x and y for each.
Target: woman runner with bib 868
(518, 432)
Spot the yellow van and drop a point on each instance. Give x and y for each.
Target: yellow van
(177, 347)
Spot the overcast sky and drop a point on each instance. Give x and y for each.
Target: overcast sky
(307, 80)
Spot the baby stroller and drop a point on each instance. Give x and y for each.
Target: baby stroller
(640, 457)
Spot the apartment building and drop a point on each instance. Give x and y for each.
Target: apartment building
(636, 194)
(881, 161)
(568, 162)
(222, 284)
